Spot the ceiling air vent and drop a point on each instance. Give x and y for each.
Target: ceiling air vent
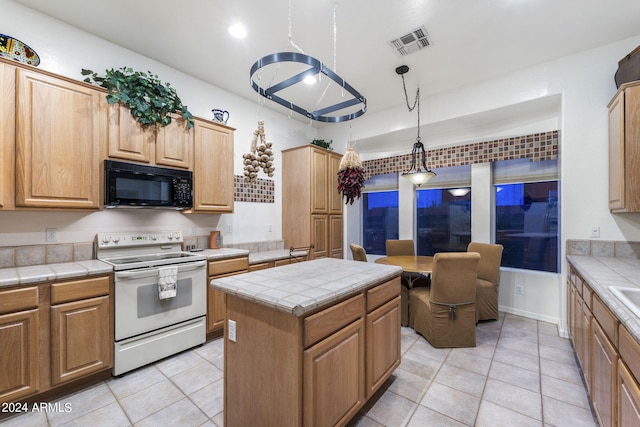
(411, 42)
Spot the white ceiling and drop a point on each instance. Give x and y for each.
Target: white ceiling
(472, 40)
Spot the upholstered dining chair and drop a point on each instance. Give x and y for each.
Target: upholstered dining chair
(358, 252)
(487, 284)
(445, 312)
(400, 247)
(405, 247)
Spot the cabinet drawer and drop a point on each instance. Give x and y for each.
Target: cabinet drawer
(382, 293)
(228, 266)
(326, 322)
(79, 289)
(607, 320)
(261, 266)
(18, 299)
(629, 351)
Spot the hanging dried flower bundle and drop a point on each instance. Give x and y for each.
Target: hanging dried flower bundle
(350, 176)
(259, 157)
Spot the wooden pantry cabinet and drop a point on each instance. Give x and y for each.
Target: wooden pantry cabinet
(54, 334)
(624, 149)
(60, 129)
(311, 204)
(170, 146)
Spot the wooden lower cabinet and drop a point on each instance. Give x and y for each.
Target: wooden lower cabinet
(628, 398)
(80, 342)
(19, 365)
(334, 377)
(383, 344)
(604, 361)
(52, 334)
(216, 310)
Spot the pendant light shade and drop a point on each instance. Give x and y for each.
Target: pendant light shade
(418, 174)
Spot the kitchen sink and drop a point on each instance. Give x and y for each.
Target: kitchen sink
(630, 297)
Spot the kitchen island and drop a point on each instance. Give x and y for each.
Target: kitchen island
(308, 343)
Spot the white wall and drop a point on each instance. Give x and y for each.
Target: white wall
(65, 50)
(585, 84)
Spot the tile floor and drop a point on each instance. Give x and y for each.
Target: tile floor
(521, 373)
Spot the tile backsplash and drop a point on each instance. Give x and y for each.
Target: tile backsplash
(21, 256)
(604, 248)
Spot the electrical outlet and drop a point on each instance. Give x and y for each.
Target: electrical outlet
(194, 230)
(231, 331)
(519, 290)
(269, 227)
(595, 231)
(229, 228)
(51, 234)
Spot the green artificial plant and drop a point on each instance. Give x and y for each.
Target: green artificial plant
(322, 143)
(151, 102)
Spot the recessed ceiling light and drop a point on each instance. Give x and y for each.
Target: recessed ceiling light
(238, 31)
(310, 80)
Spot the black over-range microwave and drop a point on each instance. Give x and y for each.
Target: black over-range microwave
(140, 186)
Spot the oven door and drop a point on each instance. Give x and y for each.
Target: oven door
(139, 309)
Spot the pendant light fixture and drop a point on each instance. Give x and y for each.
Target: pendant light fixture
(418, 174)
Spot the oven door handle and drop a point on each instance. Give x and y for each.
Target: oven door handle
(129, 275)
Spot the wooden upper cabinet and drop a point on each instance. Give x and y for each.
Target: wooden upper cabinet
(213, 167)
(7, 135)
(624, 149)
(174, 144)
(127, 138)
(319, 181)
(171, 145)
(335, 198)
(60, 127)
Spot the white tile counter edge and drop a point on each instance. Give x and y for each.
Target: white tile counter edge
(602, 272)
(302, 287)
(16, 276)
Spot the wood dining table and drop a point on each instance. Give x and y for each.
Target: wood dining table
(410, 264)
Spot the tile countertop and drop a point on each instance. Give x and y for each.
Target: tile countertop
(302, 287)
(602, 272)
(32, 274)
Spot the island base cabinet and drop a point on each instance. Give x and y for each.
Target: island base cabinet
(383, 344)
(309, 369)
(334, 378)
(262, 366)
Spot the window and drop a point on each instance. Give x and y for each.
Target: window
(527, 214)
(444, 220)
(379, 220)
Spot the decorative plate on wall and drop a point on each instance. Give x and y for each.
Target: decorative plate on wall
(14, 49)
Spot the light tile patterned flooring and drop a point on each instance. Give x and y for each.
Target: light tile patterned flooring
(521, 373)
